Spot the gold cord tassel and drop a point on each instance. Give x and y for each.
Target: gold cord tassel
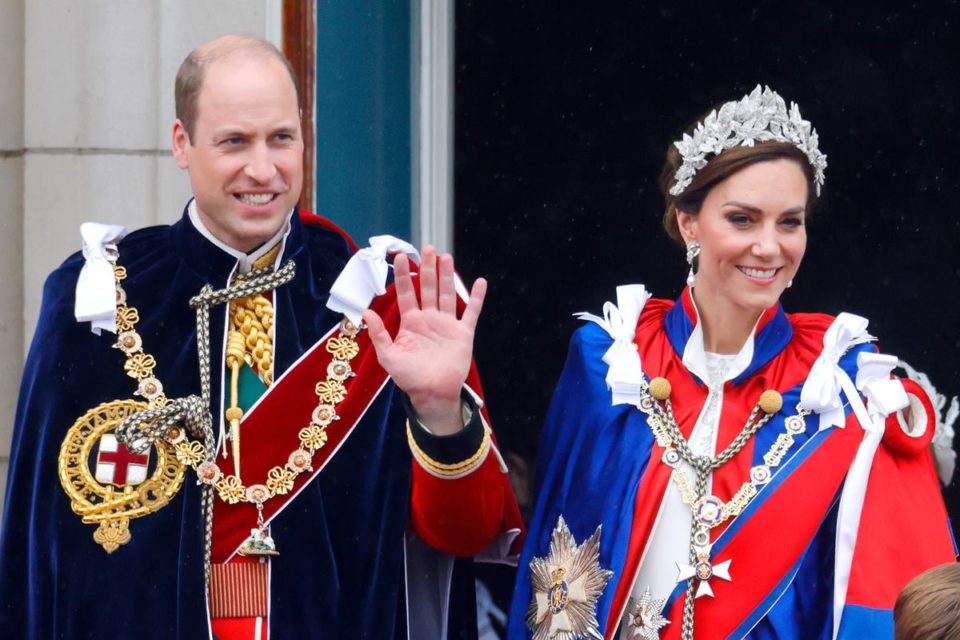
(248, 341)
(235, 353)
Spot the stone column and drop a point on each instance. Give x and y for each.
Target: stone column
(11, 215)
(87, 110)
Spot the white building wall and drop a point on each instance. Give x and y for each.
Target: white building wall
(11, 220)
(87, 109)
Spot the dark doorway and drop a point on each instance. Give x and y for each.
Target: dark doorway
(563, 115)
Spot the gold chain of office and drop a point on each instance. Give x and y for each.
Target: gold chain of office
(280, 479)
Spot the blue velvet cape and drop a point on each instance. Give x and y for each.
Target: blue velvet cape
(341, 572)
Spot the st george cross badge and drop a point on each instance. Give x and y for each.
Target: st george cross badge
(117, 465)
(121, 485)
(566, 587)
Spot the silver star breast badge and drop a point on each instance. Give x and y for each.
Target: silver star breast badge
(645, 617)
(566, 587)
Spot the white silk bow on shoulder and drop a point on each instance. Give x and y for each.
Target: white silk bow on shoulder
(96, 295)
(625, 374)
(885, 395)
(365, 276)
(821, 392)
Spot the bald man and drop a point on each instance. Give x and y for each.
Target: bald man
(236, 426)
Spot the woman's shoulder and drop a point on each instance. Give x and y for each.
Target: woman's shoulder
(628, 312)
(606, 347)
(811, 323)
(815, 333)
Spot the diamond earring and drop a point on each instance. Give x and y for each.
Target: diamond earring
(693, 251)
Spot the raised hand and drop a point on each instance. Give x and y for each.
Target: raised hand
(430, 357)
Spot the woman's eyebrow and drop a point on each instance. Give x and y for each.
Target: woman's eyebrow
(750, 207)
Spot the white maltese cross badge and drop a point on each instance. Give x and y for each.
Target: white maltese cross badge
(703, 570)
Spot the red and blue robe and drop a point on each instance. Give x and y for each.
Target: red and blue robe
(600, 465)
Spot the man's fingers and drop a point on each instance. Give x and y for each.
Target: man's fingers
(428, 278)
(406, 295)
(475, 304)
(447, 298)
(379, 335)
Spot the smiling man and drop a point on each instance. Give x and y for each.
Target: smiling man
(261, 436)
(239, 139)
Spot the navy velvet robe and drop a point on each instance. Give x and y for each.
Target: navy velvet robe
(341, 572)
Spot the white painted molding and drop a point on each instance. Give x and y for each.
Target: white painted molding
(432, 52)
(273, 22)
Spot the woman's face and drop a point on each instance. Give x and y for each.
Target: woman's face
(752, 236)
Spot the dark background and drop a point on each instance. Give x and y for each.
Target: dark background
(563, 115)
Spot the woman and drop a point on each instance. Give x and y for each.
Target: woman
(713, 467)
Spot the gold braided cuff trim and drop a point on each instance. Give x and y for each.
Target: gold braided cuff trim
(456, 469)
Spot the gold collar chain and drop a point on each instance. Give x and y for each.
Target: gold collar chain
(280, 479)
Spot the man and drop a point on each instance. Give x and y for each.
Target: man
(239, 466)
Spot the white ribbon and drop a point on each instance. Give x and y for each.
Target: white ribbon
(625, 375)
(365, 276)
(821, 392)
(885, 395)
(96, 297)
(848, 519)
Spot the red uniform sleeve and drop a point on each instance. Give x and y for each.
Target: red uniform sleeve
(463, 513)
(463, 516)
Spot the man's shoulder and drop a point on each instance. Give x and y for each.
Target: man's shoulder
(154, 237)
(147, 244)
(323, 231)
(328, 246)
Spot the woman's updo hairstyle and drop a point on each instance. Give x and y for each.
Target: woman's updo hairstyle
(718, 169)
(757, 128)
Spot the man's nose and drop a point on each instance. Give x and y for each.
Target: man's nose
(260, 166)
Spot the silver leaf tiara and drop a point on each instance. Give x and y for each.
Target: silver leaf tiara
(760, 116)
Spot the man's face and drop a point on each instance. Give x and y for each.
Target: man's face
(245, 158)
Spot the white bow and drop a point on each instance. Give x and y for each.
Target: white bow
(96, 296)
(884, 394)
(625, 375)
(821, 392)
(365, 276)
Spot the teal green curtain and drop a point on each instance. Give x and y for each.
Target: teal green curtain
(363, 85)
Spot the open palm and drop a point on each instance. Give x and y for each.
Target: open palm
(430, 357)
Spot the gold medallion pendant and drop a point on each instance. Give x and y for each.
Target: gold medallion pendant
(120, 486)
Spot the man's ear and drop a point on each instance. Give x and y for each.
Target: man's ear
(181, 141)
(687, 223)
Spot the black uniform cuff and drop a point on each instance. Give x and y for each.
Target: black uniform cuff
(455, 447)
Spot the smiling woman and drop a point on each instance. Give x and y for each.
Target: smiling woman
(751, 235)
(715, 465)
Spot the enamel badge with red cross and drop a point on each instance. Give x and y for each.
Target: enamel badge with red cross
(119, 466)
